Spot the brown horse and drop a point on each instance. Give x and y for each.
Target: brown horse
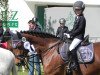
(47, 46)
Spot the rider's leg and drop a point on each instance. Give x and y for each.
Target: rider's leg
(72, 51)
(74, 44)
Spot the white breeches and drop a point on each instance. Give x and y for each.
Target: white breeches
(74, 44)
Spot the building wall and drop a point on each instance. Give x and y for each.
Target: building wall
(91, 14)
(93, 24)
(24, 13)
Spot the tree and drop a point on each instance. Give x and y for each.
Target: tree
(4, 10)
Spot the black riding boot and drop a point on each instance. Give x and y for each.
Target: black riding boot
(74, 60)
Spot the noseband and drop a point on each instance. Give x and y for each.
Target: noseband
(15, 43)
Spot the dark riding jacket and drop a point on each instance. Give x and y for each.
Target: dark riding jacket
(78, 30)
(61, 30)
(1, 32)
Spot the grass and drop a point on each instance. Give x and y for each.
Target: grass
(26, 73)
(23, 73)
(20, 72)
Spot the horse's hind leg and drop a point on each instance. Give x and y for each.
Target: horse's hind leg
(23, 68)
(23, 65)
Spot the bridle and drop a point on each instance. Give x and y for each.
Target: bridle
(15, 43)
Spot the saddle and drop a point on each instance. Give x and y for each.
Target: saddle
(67, 42)
(85, 52)
(85, 41)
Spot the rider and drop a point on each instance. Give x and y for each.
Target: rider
(62, 28)
(78, 31)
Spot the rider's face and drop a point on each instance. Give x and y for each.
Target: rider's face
(62, 24)
(78, 11)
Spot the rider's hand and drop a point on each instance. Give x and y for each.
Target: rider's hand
(68, 36)
(30, 53)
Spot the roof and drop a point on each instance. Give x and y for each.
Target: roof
(87, 2)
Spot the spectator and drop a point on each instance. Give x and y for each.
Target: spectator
(7, 32)
(34, 58)
(1, 31)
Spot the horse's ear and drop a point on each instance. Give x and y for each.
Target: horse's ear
(19, 35)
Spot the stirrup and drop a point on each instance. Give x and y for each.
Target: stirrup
(68, 69)
(69, 63)
(74, 66)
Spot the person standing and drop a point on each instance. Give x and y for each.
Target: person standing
(78, 31)
(1, 31)
(34, 58)
(62, 28)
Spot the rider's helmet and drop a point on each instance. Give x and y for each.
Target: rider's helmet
(62, 20)
(79, 5)
(35, 19)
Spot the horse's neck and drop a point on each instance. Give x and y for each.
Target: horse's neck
(50, 47)
(38, 40)
(51, 59)
(48, 55)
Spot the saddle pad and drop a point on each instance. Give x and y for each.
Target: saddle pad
(85, 54)
(63, 51)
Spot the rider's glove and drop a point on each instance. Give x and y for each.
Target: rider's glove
(68, 36)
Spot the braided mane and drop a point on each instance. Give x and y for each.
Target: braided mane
(40, 34)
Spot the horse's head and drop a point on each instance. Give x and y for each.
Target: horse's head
(12, 42)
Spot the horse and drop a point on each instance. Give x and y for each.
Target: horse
(47, 46)
(7, 63)
(8, 42)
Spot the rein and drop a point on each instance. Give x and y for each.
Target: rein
(52, 46)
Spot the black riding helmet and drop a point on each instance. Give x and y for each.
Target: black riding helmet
(35, 19)
(62, 20)
(79, 5)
